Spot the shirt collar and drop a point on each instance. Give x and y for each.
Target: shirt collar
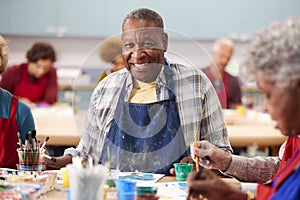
(160, 80)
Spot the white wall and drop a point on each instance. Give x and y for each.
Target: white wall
(83, 52)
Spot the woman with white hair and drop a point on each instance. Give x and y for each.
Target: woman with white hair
(15, 117)
(273, 60)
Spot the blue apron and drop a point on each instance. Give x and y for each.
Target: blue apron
(145, 137)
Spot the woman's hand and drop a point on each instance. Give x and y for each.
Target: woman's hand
(206, 185)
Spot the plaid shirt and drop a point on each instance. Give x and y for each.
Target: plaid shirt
(197, 102)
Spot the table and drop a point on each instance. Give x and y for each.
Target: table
(245, 132)
(64, 127)
(61, 195)
(58, 123)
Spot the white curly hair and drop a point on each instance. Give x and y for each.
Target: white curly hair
(275, 51)
(4, 54)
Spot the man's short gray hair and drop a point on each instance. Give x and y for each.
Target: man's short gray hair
(144, 14)
(275, 51)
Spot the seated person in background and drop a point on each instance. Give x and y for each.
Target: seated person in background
(273, 58)
(146, 115)
(34, 82)
(227, 86)
(15, 117)
(111, 52)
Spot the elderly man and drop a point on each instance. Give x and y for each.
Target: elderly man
(227, 86)
(148, 113)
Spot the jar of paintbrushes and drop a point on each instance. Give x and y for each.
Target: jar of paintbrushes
(30, 154)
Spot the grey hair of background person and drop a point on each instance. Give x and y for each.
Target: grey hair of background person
(4, 54)
(144, 14)
(275, 51)
(222, 41)
(110, 49)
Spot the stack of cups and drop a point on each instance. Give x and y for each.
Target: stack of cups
(125, 189)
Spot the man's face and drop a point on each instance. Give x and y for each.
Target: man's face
(282, 103)
(221, 56)
(143, 49)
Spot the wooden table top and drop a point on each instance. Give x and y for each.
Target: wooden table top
(65, 128)
(60, 194)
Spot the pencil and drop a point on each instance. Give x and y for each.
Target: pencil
(196, 145)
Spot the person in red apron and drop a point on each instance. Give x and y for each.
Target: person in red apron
(15, 117)
(36, 82)
(9, 138)
(273, 60)
(227, 86)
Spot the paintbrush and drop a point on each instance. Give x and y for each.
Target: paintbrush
(196, 145)
(20, 141)
(49, 157)
(44, 143)
(108, 159)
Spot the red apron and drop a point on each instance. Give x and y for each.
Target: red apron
(285, 168)
(9, 137)
(221, 90)
(292, 145)
(33, 91)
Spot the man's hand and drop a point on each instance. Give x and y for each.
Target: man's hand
(184, 160)
(210, 156)
(60, 162)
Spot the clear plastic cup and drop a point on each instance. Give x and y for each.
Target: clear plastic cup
(30, 160)
(86, 183)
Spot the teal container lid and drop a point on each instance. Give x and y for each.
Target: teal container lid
(146, 190)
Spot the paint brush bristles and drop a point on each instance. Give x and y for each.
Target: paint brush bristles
(20, 141)
(196, 145)
(44, 143)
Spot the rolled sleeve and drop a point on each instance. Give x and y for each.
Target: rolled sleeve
(258, 169)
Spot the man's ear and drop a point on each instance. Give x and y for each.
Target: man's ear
(165, 42)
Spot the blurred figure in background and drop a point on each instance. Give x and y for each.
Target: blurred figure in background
(110, 51)
(227, 86)
(15, 117)
(34, 82)
(273, 59)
